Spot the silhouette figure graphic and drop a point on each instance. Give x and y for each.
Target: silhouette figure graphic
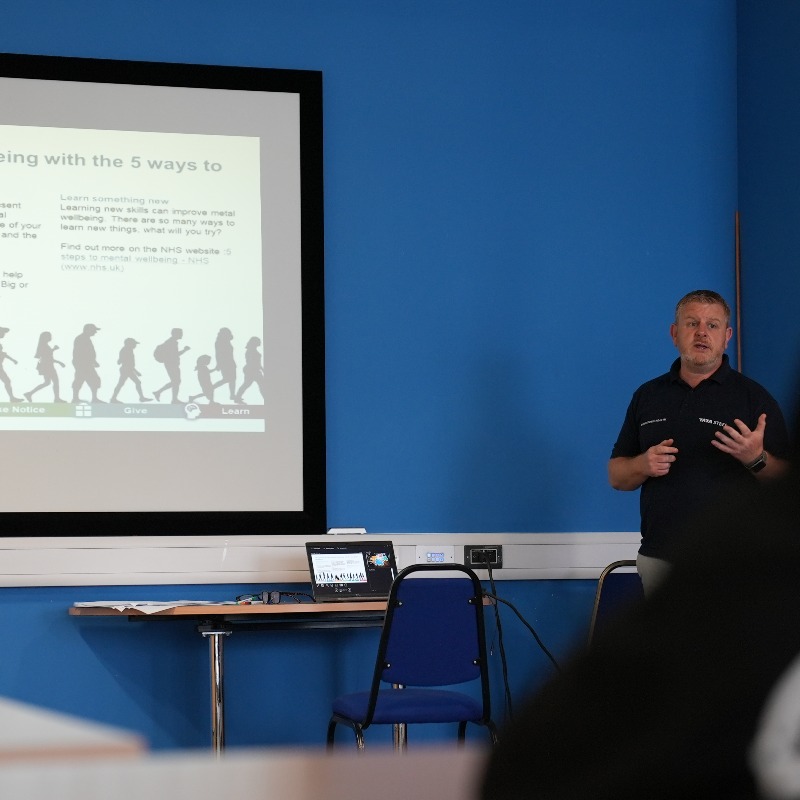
(46, 367)
(169, 353)
(203, 370)
(3, 376)
(128, 371)
(253, 371)
(226, 365)
(84, 359)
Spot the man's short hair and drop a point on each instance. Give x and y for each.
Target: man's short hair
(704, 296)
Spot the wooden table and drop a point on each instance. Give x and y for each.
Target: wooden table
(216, 622)
(424, 773)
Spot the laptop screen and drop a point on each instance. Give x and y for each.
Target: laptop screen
(351, 570)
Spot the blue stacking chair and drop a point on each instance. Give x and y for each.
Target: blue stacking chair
(618, 587)
(433, 637)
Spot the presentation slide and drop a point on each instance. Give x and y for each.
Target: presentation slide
(104, 237)
(339, 568)
(151, 339)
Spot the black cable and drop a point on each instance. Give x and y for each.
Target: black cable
(528, 626)
(272, 597)
(275, 597)
(500, 644)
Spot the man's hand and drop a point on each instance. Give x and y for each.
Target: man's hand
(743, 444)
(659, 458)
(629, 473)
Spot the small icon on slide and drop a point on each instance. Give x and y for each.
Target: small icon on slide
(192, 411)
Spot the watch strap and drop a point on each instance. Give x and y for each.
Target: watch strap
(758, 464)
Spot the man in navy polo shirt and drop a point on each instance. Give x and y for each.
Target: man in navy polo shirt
(694, 434)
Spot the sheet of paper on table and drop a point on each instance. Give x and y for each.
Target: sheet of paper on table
(151, 606)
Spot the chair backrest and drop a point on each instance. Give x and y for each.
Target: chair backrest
(434, 633)
(619, 585)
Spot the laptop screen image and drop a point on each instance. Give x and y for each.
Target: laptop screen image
(351, 570)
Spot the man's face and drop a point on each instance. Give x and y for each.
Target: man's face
(701, 335)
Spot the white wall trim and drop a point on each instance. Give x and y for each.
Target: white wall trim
(155, 560)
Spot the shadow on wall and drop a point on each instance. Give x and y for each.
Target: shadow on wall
(141, 675)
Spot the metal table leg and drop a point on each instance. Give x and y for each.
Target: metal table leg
(216, 640)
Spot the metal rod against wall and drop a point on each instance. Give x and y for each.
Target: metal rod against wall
(738, 271)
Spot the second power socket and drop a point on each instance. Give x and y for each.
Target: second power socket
(480, 555)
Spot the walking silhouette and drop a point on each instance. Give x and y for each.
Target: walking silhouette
(169, 354)
(226, 364)
(128, 371)
(46, 367)
(253, 371)
(84, 359)
(3, 376)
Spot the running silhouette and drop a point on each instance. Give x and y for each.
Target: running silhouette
(3, 377)
(46, 367)
(253, 371)
(203, 370)
(84, 359)
(128, 371)
(169, 354)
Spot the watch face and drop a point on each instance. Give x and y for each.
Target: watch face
(759, 464)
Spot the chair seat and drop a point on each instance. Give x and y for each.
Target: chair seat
(411, 705)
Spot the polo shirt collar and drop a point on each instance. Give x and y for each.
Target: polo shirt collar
(718, 376)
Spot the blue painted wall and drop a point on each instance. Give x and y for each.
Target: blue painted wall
(516, 194)
(153, 676)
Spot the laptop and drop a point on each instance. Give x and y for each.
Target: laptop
(350, 571)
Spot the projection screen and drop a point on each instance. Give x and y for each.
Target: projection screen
(161, 299)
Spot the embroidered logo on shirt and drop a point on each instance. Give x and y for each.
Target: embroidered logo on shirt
(651, 421)
(712, 422)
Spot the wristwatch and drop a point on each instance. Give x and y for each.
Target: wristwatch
(758, 464)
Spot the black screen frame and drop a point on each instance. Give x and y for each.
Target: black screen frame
(312, 519)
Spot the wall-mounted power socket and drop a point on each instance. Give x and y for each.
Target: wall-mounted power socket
(483, 555)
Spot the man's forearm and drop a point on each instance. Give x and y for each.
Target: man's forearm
(626, 473)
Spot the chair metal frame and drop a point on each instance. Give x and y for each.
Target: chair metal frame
(404, 677)
(598, 595)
